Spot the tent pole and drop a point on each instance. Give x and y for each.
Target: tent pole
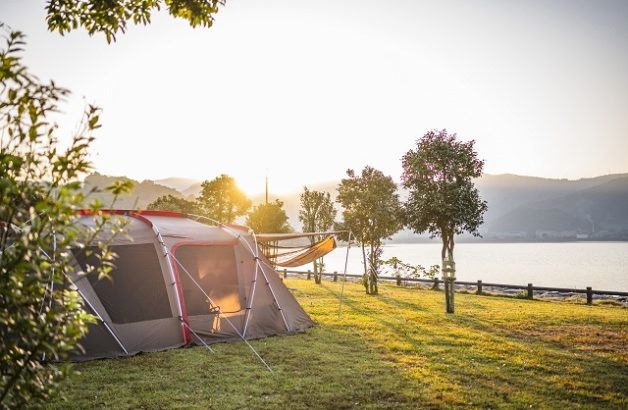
(255, 253)
(283, 316)
(109, 329)
(272, 292)
(52, 273)
(98, 315)
(344, 276)
(173, 279)
(197, 336)
(220, 313)
(52, 278)
(247, 314)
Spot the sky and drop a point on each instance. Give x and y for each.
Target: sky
(300, 91)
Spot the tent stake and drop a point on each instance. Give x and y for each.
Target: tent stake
(197, 336)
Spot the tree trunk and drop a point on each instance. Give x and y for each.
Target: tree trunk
(364, 259)
(448, 252)
(374, 268)
(445, 238)
(315, 269)
(451, 247)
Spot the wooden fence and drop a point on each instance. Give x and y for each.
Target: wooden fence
(529, 288)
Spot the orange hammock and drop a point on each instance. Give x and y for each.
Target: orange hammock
(293, 256)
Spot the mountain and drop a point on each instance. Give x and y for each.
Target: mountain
(507, 192)
(192, 191)
(520, 208)
(178, 183)
(142, 194)
(539, 208)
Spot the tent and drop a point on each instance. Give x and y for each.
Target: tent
(177, 282)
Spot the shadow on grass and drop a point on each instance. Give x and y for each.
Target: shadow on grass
(322, 369)
(384, 352)
(466, 354)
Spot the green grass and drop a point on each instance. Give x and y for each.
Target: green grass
(393, 351)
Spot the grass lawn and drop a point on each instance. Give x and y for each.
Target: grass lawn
(398, 350)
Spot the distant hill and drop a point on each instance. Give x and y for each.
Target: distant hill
(180, 184)
(192, 191)
(539, 208)
(142, 194)
(506, 192)
(519, 208)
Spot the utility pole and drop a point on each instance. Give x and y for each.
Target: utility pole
(266, 189)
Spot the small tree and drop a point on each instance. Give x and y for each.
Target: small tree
(443, 199)
(401, 269)
(372, 213)
(317, 214)
(222, 200)
(174, 204)
(269, 218)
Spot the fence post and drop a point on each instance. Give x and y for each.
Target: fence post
(285, 273)
(398, 277)
(435, 286)
(530, 291)
(309, 274)
(589, 295)
(335, 276)
(479, 292)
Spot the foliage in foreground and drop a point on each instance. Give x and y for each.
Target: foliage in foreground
(40, 316)
(110, 17)
(398, 350)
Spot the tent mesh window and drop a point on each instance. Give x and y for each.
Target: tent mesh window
(135, 290)
(214, 269)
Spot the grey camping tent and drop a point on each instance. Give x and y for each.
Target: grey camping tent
(178, 282)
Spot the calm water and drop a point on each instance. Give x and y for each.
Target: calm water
(602, 265)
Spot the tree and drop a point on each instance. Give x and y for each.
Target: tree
(40, 315)
(269, 218)
(110, 17)
(443, 199)
(222, 200)
(372, 212)
(317, 214)
(174, 204)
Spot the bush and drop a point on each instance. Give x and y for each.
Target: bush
(41, 317)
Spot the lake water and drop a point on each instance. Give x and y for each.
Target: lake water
(601, 265)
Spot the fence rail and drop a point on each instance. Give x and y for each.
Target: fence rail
(530, 288)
